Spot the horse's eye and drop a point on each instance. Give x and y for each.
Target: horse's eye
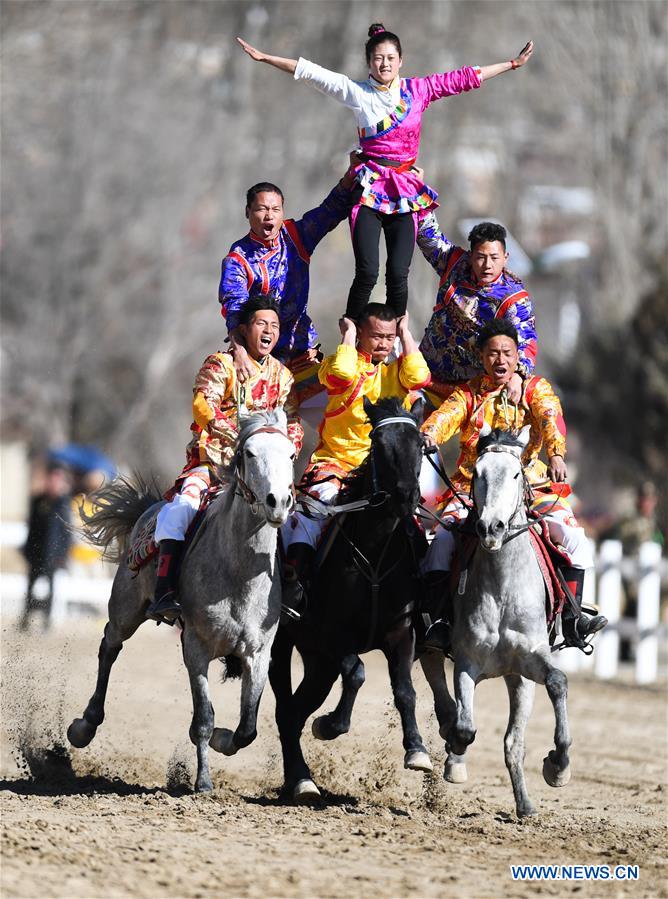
(249, 454)
(516, 476)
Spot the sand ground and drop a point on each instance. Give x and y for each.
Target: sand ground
(118, 819)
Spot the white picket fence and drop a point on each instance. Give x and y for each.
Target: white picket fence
(77, 595)
(605, 590)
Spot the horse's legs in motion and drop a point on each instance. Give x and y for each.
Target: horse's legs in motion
(399, 650)
(446, 711)
(462, 732)
(82, 730)
(197, 660)
(252, 686)
(328, 727)
(538, 667)
(433, 666)
(293, 710)
(520, 693)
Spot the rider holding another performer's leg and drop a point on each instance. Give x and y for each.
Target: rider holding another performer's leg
(484, 400)
(358, 369)
(388, 113)
(218, 396)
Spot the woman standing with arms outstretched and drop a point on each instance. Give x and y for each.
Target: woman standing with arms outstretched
(388, 111)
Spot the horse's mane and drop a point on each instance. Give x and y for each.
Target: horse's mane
(500, 437)
(388, 407)
(265, 418)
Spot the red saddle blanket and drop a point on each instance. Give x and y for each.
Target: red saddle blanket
(144, 548)
(548, 556)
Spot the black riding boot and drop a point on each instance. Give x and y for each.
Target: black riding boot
(576, 628)
(436, 612)
(296, 575)
(165, 606)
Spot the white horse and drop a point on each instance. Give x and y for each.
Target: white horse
(500, 627)
(229, 586)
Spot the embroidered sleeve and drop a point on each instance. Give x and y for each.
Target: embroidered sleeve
(318, 222)
(546, 411)
(288, 399)
(211, 395)
(235, 282)
(435, 246)
(434, 87)
(448, 419)
(521, 316)
(414, 372)
(334, 84)
(338, 371)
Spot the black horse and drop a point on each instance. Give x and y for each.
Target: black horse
(362, 598)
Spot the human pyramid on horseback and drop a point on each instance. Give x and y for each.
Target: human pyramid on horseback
(357, 572)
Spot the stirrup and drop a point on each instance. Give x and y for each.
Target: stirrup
(166, 609)
(292, 614)
(582, 642)
(437, 638)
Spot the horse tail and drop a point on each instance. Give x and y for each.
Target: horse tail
(116, 508)
(232, 668)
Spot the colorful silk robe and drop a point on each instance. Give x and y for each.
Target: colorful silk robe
(255, 267)
(389, 119)
(349, 375)
(450, 342)
(216, 395)
(477, 403)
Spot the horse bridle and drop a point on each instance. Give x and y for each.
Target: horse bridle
(524, 494)
(244, 490)
(378, 497)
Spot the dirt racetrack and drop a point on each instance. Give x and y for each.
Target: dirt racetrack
(118, 818)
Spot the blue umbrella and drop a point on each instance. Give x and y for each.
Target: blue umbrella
(83, 458)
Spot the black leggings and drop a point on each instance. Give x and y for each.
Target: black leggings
(400, 242)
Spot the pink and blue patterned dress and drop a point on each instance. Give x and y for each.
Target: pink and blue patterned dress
(389, 120)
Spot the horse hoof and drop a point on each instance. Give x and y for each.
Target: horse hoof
(417, 760)
(204, 786)
(455, 773)
(222, 740)
(317, 730)
(555, 777)
(80, 732)
(526, 811)
(305, 791)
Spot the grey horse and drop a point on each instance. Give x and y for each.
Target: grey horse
(499, 627)
(228, 585)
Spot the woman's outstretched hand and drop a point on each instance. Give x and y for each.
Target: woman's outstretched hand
(252, 52)
(524, 55)
(279, 62)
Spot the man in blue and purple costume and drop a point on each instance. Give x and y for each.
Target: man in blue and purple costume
(273, 259)
(475, 287)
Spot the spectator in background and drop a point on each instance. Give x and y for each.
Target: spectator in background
(48, 541)
(634, 529)
(641, 525)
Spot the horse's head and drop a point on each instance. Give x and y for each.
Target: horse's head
(498, 483)
(263, 465)
(396, 452)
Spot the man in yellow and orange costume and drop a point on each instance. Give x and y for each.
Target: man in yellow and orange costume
(218, 396)
(484, 401)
